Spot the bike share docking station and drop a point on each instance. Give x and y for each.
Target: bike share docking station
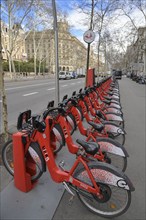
(24, 166)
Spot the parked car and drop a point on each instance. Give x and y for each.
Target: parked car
(74, 75)
(64, 75)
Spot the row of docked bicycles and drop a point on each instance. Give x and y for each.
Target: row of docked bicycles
(97, 175)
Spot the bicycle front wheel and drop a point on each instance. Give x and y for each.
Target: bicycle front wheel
(115, 200)
(7, 158)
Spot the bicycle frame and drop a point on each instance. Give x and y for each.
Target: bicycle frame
(56, 173)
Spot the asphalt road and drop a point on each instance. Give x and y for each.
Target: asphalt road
(35, 95)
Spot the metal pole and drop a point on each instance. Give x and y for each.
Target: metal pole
(56, 54)
(88, 50)
(87, 67)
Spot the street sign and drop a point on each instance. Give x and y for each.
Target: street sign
(89, 36)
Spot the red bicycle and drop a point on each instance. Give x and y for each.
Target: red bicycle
(102, 188)
(109, 129)
(110, 150)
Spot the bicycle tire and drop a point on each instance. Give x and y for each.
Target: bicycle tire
(81, 113)
(72, 124)
(10, 168)
(59, 138)
(117, 161)
(100, 207)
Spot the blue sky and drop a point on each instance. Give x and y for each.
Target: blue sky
(74, 18)
(78, 23)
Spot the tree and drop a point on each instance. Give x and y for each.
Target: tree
(15, 13)
(3, 98)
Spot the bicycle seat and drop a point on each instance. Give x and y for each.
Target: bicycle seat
(98, 127)
(90, 147)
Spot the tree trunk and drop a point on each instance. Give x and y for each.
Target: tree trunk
(10, 66)
(13, 67)
(4, 102)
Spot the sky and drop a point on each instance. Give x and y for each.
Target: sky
(78, 26)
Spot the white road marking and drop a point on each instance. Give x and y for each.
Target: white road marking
(30, 94)
(0, 100)
(21, 87)
(50, 89)
(72, 83)
(63, 85)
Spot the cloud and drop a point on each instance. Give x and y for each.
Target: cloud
(78, 20)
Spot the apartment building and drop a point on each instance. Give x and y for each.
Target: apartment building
(136, 53)
(13, 42)
(72, 53)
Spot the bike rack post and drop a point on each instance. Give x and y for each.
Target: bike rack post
(24, 166)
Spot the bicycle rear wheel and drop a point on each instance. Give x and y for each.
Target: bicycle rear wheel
(7, 158)
(117, 161)
(118, 137)
(115, 200)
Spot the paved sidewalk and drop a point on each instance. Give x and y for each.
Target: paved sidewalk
(133, 99)
(48, 201)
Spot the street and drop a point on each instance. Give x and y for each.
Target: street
(35, 95)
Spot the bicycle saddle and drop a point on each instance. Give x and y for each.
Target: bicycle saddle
(90, 147)
(98, 127)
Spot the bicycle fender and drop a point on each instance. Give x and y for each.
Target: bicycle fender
(112, 146)
(113, 116)
(115, 105)
(108, 174)
(36, 145)
(113, 127)
(113, 110)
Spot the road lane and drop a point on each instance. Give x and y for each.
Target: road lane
(35, 95)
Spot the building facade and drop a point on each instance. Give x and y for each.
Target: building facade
(136, 53)
(72, 53)
(13, 42)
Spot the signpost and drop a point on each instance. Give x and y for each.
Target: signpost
(88, 37)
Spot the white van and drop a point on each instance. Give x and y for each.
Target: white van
(64, 75)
